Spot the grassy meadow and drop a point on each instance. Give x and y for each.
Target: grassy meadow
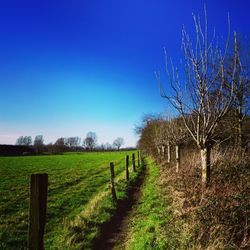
(78, 196)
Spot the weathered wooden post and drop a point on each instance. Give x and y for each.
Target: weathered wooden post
(133, 162)
(126, 168)
(138, 158)
(112, 182)
(37, 210)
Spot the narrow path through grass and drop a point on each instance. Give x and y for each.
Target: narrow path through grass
(141, 221)
(114, 231)
(146, 229)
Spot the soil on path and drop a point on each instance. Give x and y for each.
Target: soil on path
(114, 233)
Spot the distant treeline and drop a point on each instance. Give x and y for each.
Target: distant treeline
(26, 146)
(18, 150)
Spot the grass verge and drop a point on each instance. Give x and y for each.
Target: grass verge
(150, 216)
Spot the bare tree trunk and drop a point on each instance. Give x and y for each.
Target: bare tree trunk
(205, 166)
(240, 133)
(177, 157)
(159, 150)
(163, 150)
(169, 153)
(240, 118)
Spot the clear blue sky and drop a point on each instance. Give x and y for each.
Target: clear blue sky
(69, 67)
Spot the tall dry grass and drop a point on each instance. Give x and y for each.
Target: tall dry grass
(219, 217)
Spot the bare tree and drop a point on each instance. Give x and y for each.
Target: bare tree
(177, 134)
(19, 140)
(24, 140)
(203, 98)
(158, 135)
(39, 143)
(118, 142)
(73, 141)
(146, 131)
(152, 133)
(59, 145)
(238, 69)
(90, 141)
(162, 137)
(28, 140)
(38, 140)
(60, 142)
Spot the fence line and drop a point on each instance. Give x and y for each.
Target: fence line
(133, 162)
(38, 201)
(126, 167)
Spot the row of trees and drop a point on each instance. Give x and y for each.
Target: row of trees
(27, 140)
(89, 142)
(210, 96)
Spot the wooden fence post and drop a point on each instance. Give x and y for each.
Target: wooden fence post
(133, 162)
(126, 168)
(37, 210)
(112, 182)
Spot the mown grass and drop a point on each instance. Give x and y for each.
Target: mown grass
(78, 190)
(150, 216)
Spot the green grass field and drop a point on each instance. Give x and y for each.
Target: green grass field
(77, 195)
